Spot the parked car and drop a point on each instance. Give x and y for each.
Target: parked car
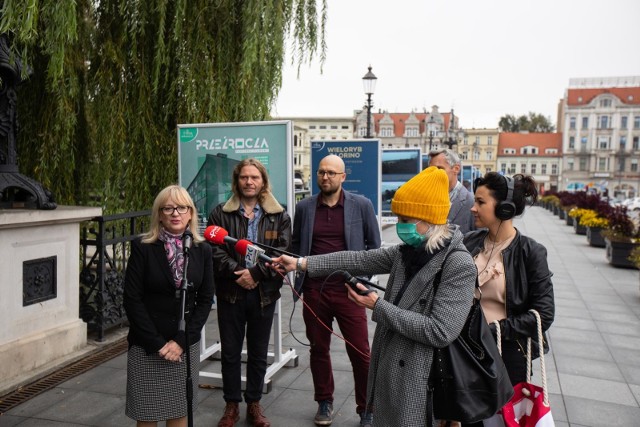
(634, 204)
(298, 183)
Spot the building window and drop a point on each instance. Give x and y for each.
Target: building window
(583, 143)
(602, 164)
(623, 122)
(572, 123)
(569, 165)
(603, 143)
(523, 168)
(583, 164)
(543, 169)
(464, 155)
(572, 142)
(605, 103)
(621, 165)
(476, 155)
(345, 126)
(312, 127)
(512, 169)
(634, 165)
(554, 168)
(603, 122)
(636, 143)
(489, 140)
(585, 122)
(636, 122)
(489, 155)
(322, 127)
(503, 167)
(623, 143)
(533, 168)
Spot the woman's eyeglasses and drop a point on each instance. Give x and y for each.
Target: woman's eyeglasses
(168, 210)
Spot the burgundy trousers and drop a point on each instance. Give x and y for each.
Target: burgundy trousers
(329, 303)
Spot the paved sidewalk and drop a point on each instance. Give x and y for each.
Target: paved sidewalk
(593, 368)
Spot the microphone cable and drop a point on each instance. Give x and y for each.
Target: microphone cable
(350, 344)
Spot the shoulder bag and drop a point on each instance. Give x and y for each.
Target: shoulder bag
(468, 380)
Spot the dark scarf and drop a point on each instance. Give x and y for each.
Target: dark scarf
(413, 259)
(175, 254)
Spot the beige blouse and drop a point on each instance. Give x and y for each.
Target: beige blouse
(491, 279)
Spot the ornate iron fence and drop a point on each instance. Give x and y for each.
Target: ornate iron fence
(104, 251)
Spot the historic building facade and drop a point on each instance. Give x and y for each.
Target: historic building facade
(535, 154)
(600, 122)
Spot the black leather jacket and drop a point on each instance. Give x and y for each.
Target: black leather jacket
(274, 229)
(528, 285)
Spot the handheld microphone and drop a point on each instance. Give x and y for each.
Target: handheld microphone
(271, 248)
(218, 235)
(353, 281)
(251, 253)
(187, 241)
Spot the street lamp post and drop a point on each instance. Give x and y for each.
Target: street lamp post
(369, 84)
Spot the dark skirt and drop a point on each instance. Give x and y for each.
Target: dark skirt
(156, 388)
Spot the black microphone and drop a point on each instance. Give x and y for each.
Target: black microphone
(271, 248)
(353, 281)
(187, 240)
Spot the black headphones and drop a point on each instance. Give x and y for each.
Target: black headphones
(506, 209)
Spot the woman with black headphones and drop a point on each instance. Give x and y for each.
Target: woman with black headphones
(512, 268)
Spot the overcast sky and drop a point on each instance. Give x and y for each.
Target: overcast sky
(483, 58)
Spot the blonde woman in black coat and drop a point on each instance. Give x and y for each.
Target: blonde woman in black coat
(156, 363)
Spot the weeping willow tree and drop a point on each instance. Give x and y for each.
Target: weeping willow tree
(111, 79)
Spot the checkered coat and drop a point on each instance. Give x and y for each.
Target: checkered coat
(406, 334)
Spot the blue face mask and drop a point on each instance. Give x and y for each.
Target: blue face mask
(408, 233)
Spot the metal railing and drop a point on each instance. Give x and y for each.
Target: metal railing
(104, 251)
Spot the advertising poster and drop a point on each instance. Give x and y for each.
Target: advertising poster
(398, 166)
(362, 166)
(207, 154)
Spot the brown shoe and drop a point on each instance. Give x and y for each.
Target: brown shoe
(255, 416)
(231, 415)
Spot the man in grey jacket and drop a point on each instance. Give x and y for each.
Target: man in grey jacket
(331, 221)
(461, 198)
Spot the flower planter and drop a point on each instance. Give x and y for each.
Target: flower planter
(579, 229)
(568, 220)
(561, 214)
(618, 253)
(595, 238)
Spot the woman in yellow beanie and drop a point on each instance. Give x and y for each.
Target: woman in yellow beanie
(410, 319)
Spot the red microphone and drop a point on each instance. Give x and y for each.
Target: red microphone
(251, 253)
(218, 235)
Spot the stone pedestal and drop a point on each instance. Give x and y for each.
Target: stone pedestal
(39, 290)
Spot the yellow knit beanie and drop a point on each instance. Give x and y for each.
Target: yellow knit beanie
(425, 196)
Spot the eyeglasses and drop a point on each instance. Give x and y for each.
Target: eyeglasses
(330, 174)
(169, 210)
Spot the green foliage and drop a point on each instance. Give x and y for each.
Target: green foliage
(534, 123)
(112, 79)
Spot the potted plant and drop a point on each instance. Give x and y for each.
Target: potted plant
(621, 237)
(635, 258)
(594, 224)
(577, 214)
(567, 202)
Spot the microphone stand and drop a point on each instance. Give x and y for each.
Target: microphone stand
(182, 327)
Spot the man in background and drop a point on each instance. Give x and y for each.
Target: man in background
(334, 220)
(461, 199)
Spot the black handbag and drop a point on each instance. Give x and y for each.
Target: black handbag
(468, 380)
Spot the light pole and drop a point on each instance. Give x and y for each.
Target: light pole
(369, 84)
